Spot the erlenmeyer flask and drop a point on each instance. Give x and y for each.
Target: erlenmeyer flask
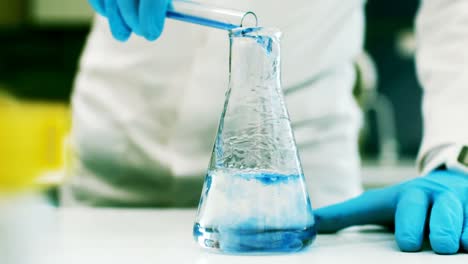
(254, 199)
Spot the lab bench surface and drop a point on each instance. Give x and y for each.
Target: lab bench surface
(121, 236)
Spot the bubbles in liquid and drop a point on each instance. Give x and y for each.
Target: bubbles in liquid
(254, 211)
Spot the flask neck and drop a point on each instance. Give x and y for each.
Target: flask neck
(255, 132)
(254, 61)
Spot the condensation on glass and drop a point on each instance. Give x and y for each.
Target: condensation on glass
(254, 198)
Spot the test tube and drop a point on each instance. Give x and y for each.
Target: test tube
(211, 16)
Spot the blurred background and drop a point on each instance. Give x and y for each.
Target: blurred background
(41, 41)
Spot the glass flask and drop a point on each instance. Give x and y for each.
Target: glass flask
(254, 198)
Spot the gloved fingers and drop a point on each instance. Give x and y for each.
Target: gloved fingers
(410, 219)
(446, 223)
(119, 28)
(152, 17)
(129, 11)
(372, 207)
(464, 236)
(98, 6)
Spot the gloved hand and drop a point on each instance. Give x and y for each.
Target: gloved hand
(142, 17)
(437, 203)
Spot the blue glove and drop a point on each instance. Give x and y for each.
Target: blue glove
(437, 203)
(142, 17)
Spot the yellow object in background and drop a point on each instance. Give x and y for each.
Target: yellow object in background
(31, 141)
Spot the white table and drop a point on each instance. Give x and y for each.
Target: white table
(101, 236)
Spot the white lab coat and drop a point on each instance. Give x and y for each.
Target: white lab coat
(145, 114)
(442, 60)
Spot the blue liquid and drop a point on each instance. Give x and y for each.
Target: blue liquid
(200, 21)
(254, 212)
(244, 240)
(264, 41)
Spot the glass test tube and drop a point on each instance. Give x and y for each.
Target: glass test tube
(210, 16)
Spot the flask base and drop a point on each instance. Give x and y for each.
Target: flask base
(254, 241)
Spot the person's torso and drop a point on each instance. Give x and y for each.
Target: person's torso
(166, 96)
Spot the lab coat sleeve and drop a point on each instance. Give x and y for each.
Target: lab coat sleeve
(442, 62)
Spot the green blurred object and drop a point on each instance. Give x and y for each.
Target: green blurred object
(40, 63)
(59, 12)
(12, 12)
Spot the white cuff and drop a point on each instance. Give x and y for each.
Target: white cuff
(441, 155)
(434, 158)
